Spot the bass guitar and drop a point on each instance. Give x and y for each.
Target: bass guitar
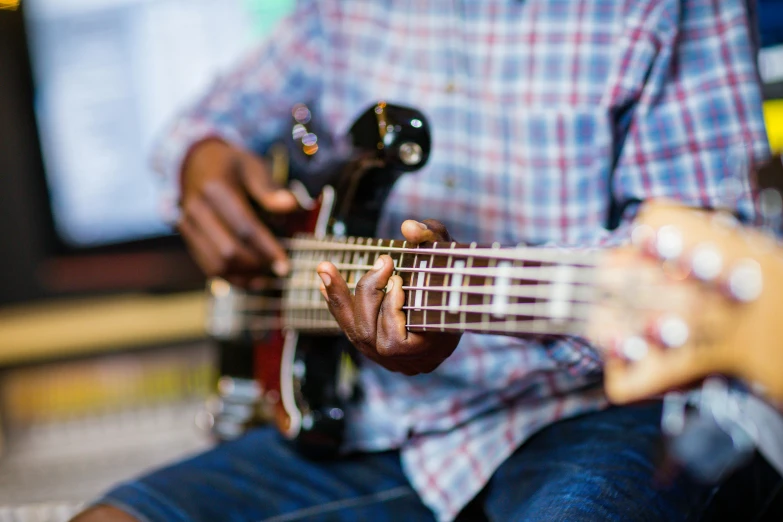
(294, 369)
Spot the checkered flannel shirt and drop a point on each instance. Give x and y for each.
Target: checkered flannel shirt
(541, 110)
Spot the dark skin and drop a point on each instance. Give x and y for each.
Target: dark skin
(218, 224)
(227, 239)
(373, 318)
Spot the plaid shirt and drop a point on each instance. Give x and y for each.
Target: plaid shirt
(539, 110)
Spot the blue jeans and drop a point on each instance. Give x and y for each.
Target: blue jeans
(595, 467)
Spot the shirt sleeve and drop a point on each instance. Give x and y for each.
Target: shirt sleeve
(250, 104)
(693, 127)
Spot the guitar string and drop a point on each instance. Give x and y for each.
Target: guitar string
(520, 253)
(301, 246)
(539, 326)
(577, 293)
(531, 273)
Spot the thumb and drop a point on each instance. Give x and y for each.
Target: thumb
(258, 182)
(427, 231)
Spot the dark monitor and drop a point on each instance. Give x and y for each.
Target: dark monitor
(109, 75)
(86, 87)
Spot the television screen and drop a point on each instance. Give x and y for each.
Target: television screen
(109, 75)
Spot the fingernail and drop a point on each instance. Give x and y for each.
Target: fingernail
(322, 288)
(378, 264)
(325, 278)
(421, 225)
(280, 268)
(389, 286)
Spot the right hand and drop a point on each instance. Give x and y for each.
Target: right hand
(223, 233)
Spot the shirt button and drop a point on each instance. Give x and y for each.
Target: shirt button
(451, 87)
(450, 182)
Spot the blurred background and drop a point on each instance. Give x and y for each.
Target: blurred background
(104, 363)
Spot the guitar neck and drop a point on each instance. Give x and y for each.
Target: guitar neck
(452, 287)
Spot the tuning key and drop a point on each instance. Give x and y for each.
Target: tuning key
(669, 242)
(745, 281)
(634, 348)
(706, 262)
(673, 331)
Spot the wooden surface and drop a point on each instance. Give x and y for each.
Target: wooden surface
(71, 327)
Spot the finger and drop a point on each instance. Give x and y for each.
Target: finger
(660, 371)
(233, 253)
(202, 250)
(235, 211)
(393, 338)
(338, 297)
(368, 297)
(257, 179)
(429, 231)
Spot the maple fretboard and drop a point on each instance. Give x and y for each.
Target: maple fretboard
(450, 286)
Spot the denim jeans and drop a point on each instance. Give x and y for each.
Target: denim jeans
(595, 467)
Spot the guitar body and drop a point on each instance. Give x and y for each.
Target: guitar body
(304, 381)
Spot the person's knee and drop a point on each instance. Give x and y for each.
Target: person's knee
(103, 514)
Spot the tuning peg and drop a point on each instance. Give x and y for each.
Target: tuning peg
(673, 332)
(745, 281)
(634, 348)
(669, 242)
(706, 261)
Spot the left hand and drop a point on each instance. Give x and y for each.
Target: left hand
(373, 318)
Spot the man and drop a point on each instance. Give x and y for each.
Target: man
(542, 112)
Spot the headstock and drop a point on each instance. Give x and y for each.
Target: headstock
(716, 311)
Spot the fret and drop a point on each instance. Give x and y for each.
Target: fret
(426, 283)
(347, 261)
(560, 300)
(446, 283)
(404, 276)
(377, 253)
(419, 277)
(394, 256)
(360, 259)
(541, 306)
(489, 280)
(500, 299)
(315, 292)
(455, 284)
(465, 297)
(514, 300)
(352, 276)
